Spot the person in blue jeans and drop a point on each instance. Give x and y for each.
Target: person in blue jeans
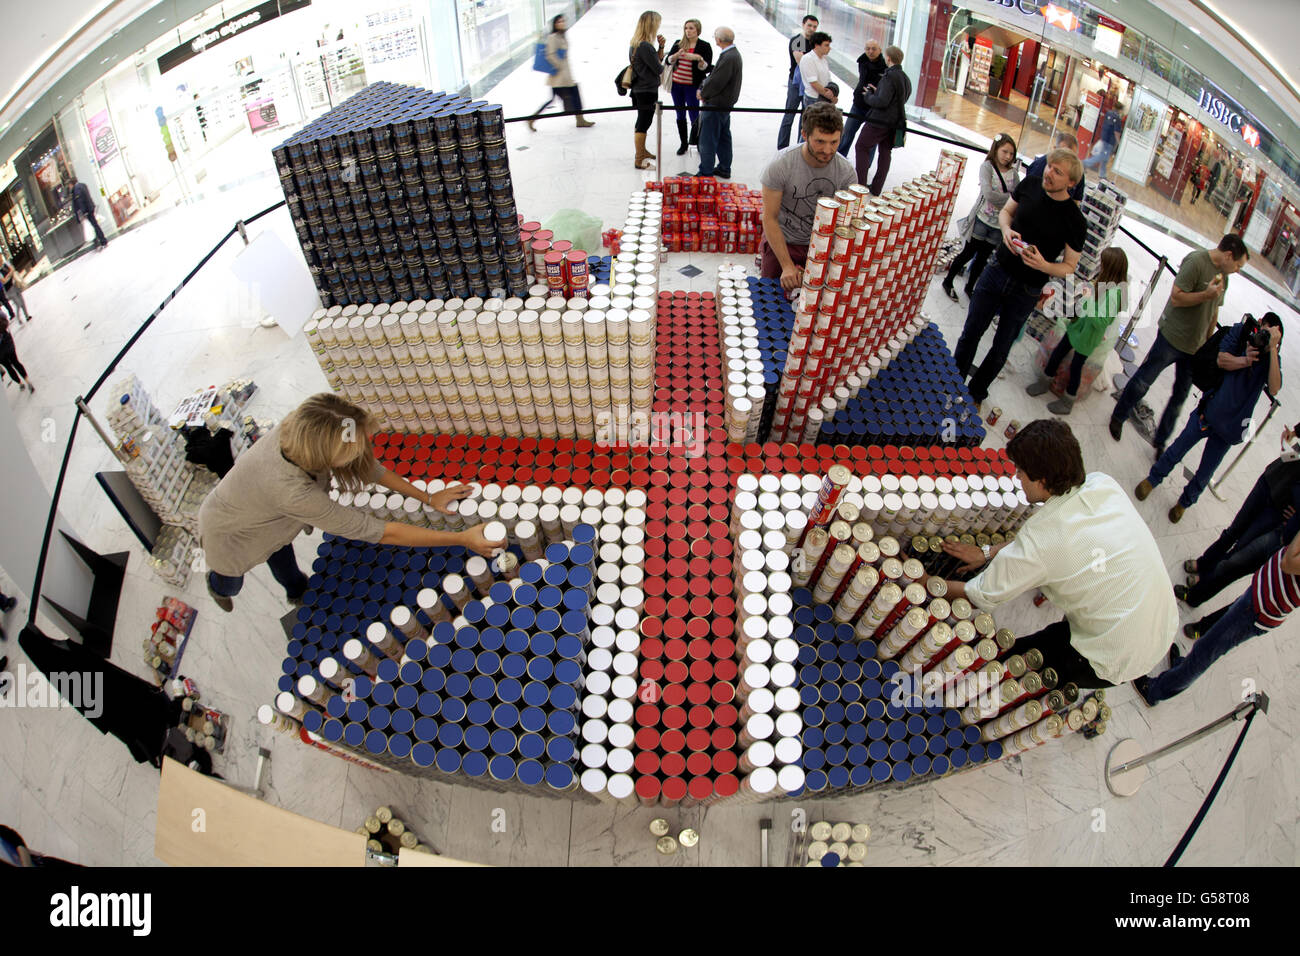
(1186, 324)
(1223, 418)
(1039, 224)
(1269, 516)
(719, 92)
(1273, 594)
(796, 48)
(1108, 142)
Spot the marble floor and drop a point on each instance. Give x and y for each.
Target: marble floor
(74, 793)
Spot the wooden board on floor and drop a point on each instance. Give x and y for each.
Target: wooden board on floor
(407, 857)
(241, 830)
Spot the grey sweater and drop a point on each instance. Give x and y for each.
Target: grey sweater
(266, 501)
(722, 86)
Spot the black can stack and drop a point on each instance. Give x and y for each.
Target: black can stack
(401, 193)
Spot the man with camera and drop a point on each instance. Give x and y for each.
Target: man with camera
(1268, 517)
(1250, 364)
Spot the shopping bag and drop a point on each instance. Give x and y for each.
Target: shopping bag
(540, 63)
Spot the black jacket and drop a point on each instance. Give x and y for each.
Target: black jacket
(885, 106)
(722, 87)
(697, 72)
(869, 74)
(81, 201)
(646, 67)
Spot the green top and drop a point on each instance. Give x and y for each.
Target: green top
(1093, 318)
(1187, 327)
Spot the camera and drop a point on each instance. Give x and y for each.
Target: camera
(1257, 336)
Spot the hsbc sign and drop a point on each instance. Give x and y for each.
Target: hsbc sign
(1223, 112)
(1055, 15)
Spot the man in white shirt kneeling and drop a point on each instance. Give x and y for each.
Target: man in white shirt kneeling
(1090, 553)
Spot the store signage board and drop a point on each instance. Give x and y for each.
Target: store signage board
(103, 141)
(240, 23)
(1055, 16)
(1110, 35)
(1137, 148)
(1221, 108)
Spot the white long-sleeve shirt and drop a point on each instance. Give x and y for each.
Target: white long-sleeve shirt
(1093, 557)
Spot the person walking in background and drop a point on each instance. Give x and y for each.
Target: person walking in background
(1200, 176)
(691, 59)
(886, 115)
(1273, 594)
(815, 73)
(1039, 223)
(1063, 141)
(1107, 142)
(11, 288)
(719, 92)
(1223, 418)
(84, 206)
(871, 67)
(9, 358)
(646, 54)
(1095, 314)
(796, 48)
(793, 181)
(1187, 323)
(998, 177)
(1268, 517)
(561, 80)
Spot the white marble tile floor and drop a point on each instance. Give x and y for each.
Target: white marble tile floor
(74, 792)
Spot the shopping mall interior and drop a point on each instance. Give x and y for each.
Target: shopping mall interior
(175, 141)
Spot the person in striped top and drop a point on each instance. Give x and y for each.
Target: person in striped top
(691, 58)
(1274, 593)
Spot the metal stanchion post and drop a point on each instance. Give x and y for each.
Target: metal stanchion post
(113, 446)
(659, 137)
(1122, 346)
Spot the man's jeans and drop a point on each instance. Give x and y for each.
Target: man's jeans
(996, 293)
(284, 568)
(715, 143)
(1162, 355)
(1213, 454)
(793, 99)
(1235, 627)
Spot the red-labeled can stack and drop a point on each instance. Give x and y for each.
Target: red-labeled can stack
(870, 261)
(687, 718)
(702, 214)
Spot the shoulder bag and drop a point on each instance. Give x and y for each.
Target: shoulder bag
(540, 63)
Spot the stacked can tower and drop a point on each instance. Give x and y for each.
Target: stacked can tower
(1102, 207)
(545, 367)
(556, 264)
(429, 671)
(400, 193)
(908, 393)
(704, 215)
(870, 261)
(751, 386)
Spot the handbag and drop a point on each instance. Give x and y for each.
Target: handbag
(900, 137)
(540, 63)
(666, 78)
(623, 80)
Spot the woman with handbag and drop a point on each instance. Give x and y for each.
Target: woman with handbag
(999, 176)
(560, 78)
(689, 61)
(11, 287)
(645, 57)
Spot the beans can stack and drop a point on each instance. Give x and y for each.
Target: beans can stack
(401, 193)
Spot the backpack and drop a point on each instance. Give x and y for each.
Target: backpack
(1206, 374)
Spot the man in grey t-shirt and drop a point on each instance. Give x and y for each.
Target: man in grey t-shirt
(792, 184)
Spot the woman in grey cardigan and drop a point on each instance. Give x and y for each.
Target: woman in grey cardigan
(561, 81)
(647, 64)
(999, 175)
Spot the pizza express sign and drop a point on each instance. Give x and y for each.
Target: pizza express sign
(224, 31)
(1223, 111)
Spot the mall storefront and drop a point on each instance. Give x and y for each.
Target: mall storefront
(1188, 155)
(199, 108)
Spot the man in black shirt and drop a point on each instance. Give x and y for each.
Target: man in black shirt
(84, 207)
(798, 46)
(1039, 223)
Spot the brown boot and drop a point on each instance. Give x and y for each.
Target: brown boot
(642, 154)
(583, 122)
